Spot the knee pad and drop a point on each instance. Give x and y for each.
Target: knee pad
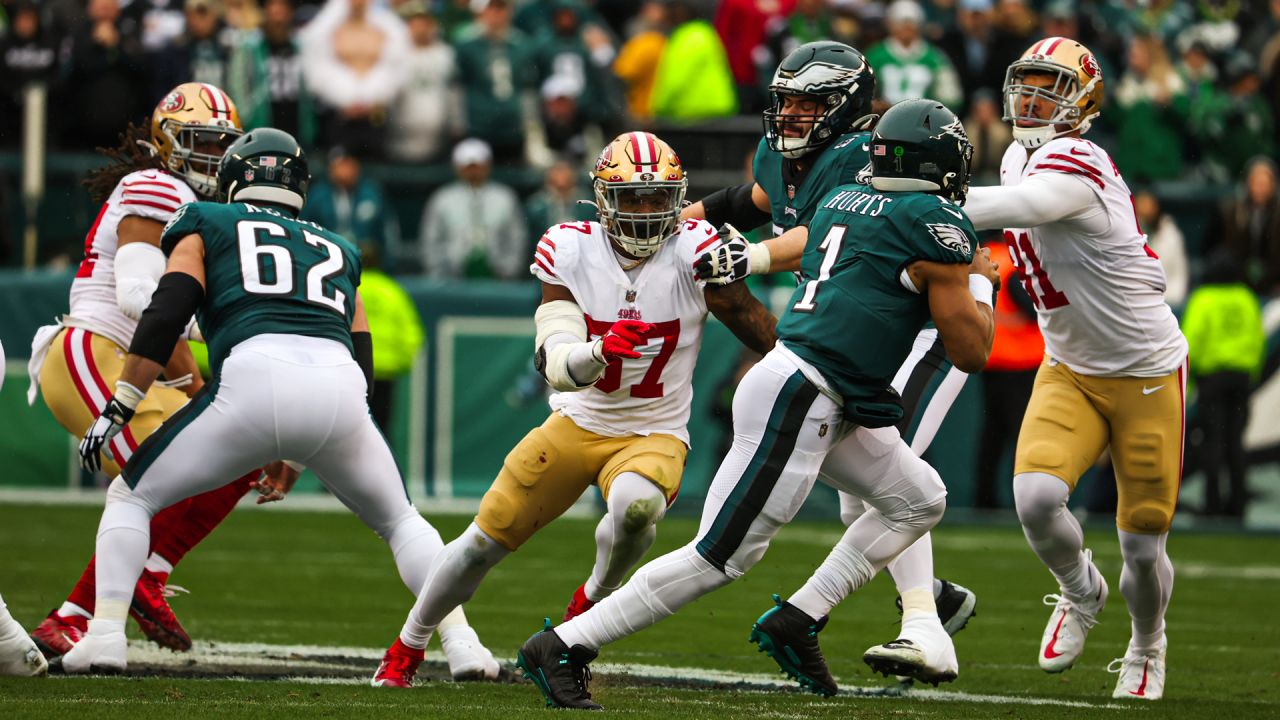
(504, 514)
(851, 508)
(915, 498)
(635, 502)
(1147, 514)
(1038, 496)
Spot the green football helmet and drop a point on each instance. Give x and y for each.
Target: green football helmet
(921, 146)
(264, 165)
(834, 73)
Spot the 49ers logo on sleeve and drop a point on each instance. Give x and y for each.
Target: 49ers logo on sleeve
(173, 102)
(1089, 64)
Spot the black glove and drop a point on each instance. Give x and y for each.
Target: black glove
(107, 426)
(727, 263)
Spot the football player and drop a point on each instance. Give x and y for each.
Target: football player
(156, 169)
(816, 138)
(276, 299)
(879, 262)
(1115, 368)
(618, 333)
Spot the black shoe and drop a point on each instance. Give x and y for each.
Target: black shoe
(789, 636)
(559, 671)
(956, 605)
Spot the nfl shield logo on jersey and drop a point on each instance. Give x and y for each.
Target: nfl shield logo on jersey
(631, 296)
(791, 192)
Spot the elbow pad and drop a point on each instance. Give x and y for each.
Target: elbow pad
(562, 330)
(734, 206)
(176, 298)
(138, 268)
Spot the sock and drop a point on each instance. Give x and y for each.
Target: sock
(657, 590)
(937, 588)
(913, 568)
(918, 602)
(625, 533)
(844, 571)
(456, 618)
(81, 601)
(415, 545)
(70, 609)
(1146, 583)
(457, 572)
(123, 539)
(1052, 531)
(204, 512)
(159, 566)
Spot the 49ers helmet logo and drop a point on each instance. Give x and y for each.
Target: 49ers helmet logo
(605, 159)
(1089, 64)
(173, 102)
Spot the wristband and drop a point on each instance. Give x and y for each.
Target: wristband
(128, 395)
(982, 290)
(759, 258)
(296, 467)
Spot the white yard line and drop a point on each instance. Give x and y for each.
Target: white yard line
(319, 659)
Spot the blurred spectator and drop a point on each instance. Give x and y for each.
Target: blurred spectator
(1250, 227)
(534, 18)
(810, 21)
(570, 48)
(354, 58)
(28, 53)
(637, 62)
(1234, 124)
(1149, 109)
(397, 334)
(741, 25)
(428, 113)
(497, 73)
(353, 206)
(1223, 325)
(159, 22)
(1016, 354)
(693, 80)
(474, 227)
(1197, 70)
(557, 201)
(242, 18)
(1264, 30)
(908, 66)
(265, 77)
(566, 127)
(199, 54)
(105, 77)
(1165, 240)
(979, 52)
(990, 136)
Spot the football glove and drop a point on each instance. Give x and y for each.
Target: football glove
(727, 263)
(109, 424)
(621, 341)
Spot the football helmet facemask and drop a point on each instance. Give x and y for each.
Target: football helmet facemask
(190, 129)
(1073, 91)
(639, 187)
(837, 77)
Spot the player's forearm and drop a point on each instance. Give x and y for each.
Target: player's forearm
(744, 315)
(695, 211)
(182, 366)
(140, 372)
(786, 250)
(1037, 200)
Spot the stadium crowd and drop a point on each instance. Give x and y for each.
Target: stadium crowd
(1193, 93)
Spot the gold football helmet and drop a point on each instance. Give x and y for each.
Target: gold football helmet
(1073, 89)
(639, 186)
(190, 129)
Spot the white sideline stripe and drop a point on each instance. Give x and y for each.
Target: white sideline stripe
(212, 653)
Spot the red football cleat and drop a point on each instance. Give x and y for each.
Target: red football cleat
(56, 634)
(579, 604)
(398, 666)
(155, 617)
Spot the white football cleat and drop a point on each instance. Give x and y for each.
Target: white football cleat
(923, 651)
(1141, 673)
(1069, 625)
(468, 659)
(19, 656)
(101, 650)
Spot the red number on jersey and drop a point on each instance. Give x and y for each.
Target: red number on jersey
(90, 256)
(583, 227)
(1021, 249)
(650, 386)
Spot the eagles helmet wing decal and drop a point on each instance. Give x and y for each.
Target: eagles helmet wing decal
(950, 237)
(954, 129)
(817, 76)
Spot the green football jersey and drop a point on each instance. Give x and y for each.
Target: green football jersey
(793, 203)
(267, 272)
(852, 317)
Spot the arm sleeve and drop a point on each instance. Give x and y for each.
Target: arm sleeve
(734, 205)
(1039, 199)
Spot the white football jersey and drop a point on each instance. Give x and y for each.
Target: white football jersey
(152, 194)
(653, 393)
(1098, 289)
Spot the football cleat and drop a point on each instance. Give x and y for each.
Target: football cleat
(579, 604)
(560, 672)
(19, 656)
(155, 618)
(56, 634)
(468, 659)
(1069, 625)
(101, 650)
(399, 665)
(956, 606)
(1141, 673)
(789, 636)
(923, 651)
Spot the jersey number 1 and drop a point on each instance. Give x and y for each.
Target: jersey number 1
(830, 248)
(253, 265)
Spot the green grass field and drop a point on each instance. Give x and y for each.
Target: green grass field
(268, 579)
